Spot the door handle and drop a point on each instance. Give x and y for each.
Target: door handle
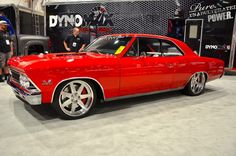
(136, 58)
(170, 65)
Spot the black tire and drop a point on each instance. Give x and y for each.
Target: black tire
(196, 85)
(62, 111)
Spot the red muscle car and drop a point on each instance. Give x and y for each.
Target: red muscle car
(111, 67)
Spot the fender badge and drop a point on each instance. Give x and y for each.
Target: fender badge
(46, 82)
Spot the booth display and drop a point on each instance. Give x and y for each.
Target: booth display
(111, 67)
(207, 26)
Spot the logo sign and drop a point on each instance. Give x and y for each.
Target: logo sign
(65, 20)
(98, 16)
(197, 7)
(217, 47)
(214, 12)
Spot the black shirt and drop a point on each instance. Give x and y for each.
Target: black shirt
(74, 43)
(5, 41)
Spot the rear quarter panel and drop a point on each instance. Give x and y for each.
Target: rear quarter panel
(215, 68)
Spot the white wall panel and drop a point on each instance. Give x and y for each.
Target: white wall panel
(37, 4)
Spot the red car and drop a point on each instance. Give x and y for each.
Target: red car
(111, 67)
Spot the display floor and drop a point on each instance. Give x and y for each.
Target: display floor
(169, 124)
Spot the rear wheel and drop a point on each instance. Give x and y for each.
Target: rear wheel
(196, 85)
(74, 99)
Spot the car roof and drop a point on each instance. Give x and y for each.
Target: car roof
(184, 48)
(142, 35)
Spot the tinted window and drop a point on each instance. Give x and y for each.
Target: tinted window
(133, 50)
(169, 49)
(149, 47)
(108, 45)
(152, 47)
(145, 47)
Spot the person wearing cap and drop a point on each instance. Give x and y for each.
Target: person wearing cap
(6, 50)
(9, 25)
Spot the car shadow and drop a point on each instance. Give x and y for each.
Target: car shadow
(46, 112)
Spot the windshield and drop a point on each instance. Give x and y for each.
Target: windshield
(108, 45)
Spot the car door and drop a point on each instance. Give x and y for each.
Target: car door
(134, 77)
(176, 62)
(158, 69)
(164, 62)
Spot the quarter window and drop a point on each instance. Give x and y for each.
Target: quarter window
(149, 47)
(169, 49)
(145, 47)
(153, 47)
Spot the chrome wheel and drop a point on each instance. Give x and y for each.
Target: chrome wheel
(197, 83)
(76, 98)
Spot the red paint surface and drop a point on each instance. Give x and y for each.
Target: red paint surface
(118, 75)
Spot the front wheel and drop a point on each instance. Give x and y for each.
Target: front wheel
(196, 85)
(74, 99)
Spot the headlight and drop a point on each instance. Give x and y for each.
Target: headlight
(24, 81)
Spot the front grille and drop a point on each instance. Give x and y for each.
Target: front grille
(15, 76)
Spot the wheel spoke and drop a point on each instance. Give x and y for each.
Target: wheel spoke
(85, 96)
(66, 103)
(80, 89)
(81, 104)
(197, 83)
(200, 85)
(65, 94)
(73, 107)
(76, 98)
(72, 87)
(195, 88)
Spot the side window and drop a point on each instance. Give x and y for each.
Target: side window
(133, 50)
(149, 47)
(152, 47)
(169, 49)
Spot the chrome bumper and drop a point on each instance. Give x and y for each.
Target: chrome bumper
(26, 97)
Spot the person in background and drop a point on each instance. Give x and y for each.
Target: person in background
(9, 25)
(74, 43)
(6, 50)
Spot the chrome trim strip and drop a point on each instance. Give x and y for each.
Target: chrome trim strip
(33, 84)
(31, 99)
(75, 78)
(155, 92)
(143, 94)
(162, 39)
(28, 79)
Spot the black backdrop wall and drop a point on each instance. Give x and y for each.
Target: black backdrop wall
(144, 17)
(127, 17)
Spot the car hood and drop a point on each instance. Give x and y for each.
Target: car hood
(55, 60)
